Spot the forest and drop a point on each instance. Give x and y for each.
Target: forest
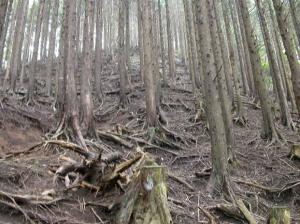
(149, 111)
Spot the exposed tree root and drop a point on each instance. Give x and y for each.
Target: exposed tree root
(240, 120)
(245, 212)
(22, 152)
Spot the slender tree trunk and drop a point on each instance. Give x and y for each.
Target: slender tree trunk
(140, 37)
(17, 43)
(4, 30)
(221, 79)
(234, 69)
(78, 32)
(70, 114)
(127, 39)
(191, 47)
(240, 51)
(219, 175)
(86, 74)
(122, 54)
(99, 51)
(269, 130)
(3, 12)
(171, 56)
(162, 43)
(290, 50)
(27, 44)
(249, 71)
(52, 42)
(285, 70)
(60, 84)
(151, 106)
(32, 75)
(295, 19)
(285, 114)
(45, 30)
(225, 56)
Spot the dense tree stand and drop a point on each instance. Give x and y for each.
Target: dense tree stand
(149, 111)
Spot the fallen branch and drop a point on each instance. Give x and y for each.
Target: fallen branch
(208, 215)
(74, 147)
(181, 181)
(113, 137)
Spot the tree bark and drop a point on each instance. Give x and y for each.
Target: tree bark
(45, 30)
(99, 51)
(162, 43)
(286, 117)
(17, 43)
(122, 54)
(171, 56)
(295, 19)
(69, 113)
(52, 42)
(269, 131)
(32, 75)
(3, 12)
(290, 50)
(87, 106)
(149, 77)
(219, 174)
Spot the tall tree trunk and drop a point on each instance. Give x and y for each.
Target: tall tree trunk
(290, 49)
(5, 26)
(171, 56)
(86, 74)
(295, 19)
(234, 69)
(127, 40)
(190, 42)
(219, 176)
(240, 50)
(285, 114)
(122, 54)
(32, 75)
(151, 106)
(3, 12)
(221, 79)
(70, 114)
(140, 36)
(52, 42)
(285, 69)
(269, 130)
(45, 30)
(17, 43)
(162, 43)
(27, 44)
(99, 52)
(249, 70)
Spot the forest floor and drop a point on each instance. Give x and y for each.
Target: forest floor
(264, 177)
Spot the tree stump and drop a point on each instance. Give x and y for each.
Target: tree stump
(145, 201)
(279, 215)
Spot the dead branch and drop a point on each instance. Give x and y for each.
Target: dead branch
(113, 137)
(181, 181)
(74, 147)
(208, 215)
